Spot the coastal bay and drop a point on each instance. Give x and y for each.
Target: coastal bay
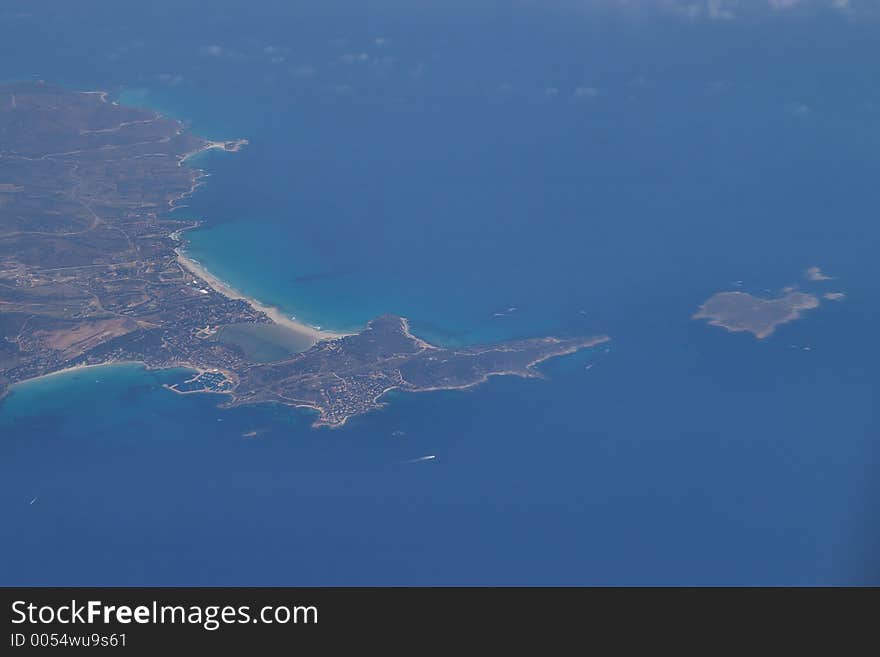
(307, 335)
(144, 300)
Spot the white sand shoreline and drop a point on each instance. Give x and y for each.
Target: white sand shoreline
(307, 333)
(75, 368)
(92, 366)
(275, 314)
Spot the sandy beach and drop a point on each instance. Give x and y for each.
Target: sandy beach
(302, 330)
(76, 368)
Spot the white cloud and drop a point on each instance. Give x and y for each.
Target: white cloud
(719, 9)
(800, 110)
(382, 63)
(718, 86)
(304, 71)
(816, 274)
(217, 51)
(722, 9)
(353, 57)
(550, 92)
(586, 92)
(417, 72)
(124, 49)
(212, 51)
(171, 79)
(709, 9)
(340, 89)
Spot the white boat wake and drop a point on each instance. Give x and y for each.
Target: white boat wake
(429, 457)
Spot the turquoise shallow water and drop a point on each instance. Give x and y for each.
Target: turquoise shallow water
(451, 192)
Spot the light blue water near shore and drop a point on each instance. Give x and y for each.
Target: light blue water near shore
(442, 179)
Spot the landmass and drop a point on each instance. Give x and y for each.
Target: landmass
(740, 311)
(93, 270)
(347, 376)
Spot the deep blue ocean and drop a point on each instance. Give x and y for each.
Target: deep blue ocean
(597, 170)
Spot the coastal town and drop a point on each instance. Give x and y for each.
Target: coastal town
(93, 270)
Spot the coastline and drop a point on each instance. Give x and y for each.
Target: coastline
(799, 302)
(228, 146)
(303, 331)
(90, 366)
(273, 313)
(77, 368)
(332, 412)
(526, 372)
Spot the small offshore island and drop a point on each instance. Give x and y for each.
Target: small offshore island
(92, 272)
(740, 311)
